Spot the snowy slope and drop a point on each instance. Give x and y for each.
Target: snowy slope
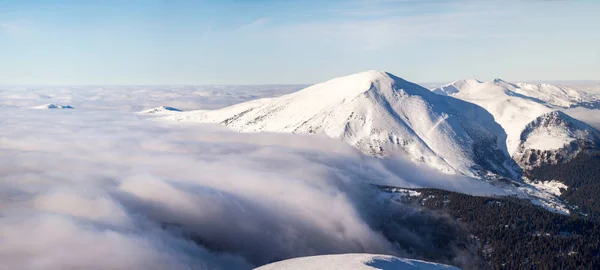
(380, 114)
(455, 87)
(537, 132)
(554, 137)
(558, 96)
(354, 262)
(551, 95)
(516, 105)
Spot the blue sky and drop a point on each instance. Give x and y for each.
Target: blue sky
(271, 42)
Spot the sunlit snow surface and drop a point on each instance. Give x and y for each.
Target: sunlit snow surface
(380, 114)
(355, 262)
(514, 105)
(548, 139)
(553, 187)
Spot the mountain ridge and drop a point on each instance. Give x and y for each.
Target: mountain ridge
(380, 114)
(555, 137)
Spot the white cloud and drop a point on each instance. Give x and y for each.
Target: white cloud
(107, 189)
(137, 98)
(590, 116)
(375, 25)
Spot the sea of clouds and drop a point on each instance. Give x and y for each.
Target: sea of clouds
(100, 187)
(590, 116)
(137, 98)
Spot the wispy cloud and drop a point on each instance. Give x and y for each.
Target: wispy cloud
(256, 23)
(367, 25)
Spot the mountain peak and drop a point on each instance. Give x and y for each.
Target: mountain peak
(555, 137)
(374, 82)
(370, 76)
(558, 118)
(373, 74)
(455, 87)
(470, 81)
(502, 83)
(161, 110)
(464, 83)
(380, 114)
(167, 108)
(53, 106)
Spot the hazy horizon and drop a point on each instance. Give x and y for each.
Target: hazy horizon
(569, 83)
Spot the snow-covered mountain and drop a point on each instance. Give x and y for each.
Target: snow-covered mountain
(53, 106)
(515, 105)
(555, 137)
(162, 110)
(380, 114)
(552, 95)
(558, 96)
(354, 262)
(538, 132)
(455, 87)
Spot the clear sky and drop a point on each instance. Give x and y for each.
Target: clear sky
(268, 42)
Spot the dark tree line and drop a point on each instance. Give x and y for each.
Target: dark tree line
(582, 176)
(514, 234)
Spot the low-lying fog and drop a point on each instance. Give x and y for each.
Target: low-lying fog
(101, 187)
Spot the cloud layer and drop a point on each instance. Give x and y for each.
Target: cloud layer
(114, 190)
(81, 187)
(101, 187)
(137, 98)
